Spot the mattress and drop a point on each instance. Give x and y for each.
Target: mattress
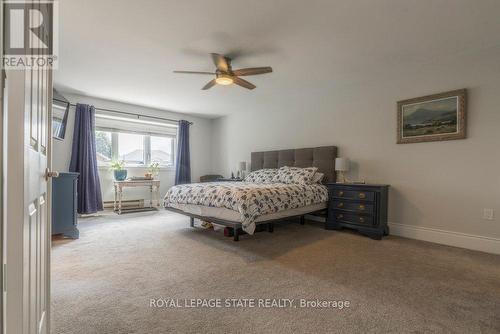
(235, 216)
(245, 202)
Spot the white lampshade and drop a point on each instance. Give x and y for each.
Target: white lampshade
(242, 166)
(342, 164)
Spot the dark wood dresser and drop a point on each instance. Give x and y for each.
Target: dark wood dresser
(362, 207)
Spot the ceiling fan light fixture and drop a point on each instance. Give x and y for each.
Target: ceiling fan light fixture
(224, 80)
(225, 75)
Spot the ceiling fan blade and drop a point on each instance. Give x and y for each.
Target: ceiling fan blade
(243, 83)
(252, 71)
(209, 85)
(220, 62)
(194, 72)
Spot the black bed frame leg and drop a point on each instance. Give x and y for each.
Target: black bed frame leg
(302, 220)
(191, 221)
(270, 227)
(236, 234)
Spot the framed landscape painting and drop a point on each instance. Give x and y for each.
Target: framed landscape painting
(432, 118)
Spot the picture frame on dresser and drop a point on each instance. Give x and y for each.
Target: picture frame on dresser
(361, 207)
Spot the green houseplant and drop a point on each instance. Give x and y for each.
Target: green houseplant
(118, 168)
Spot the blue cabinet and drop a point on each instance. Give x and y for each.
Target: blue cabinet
(64, 205)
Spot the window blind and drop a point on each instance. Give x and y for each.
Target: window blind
(108, 121)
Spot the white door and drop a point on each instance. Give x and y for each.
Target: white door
(27, 201)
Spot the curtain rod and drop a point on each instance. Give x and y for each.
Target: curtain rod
(126, 113)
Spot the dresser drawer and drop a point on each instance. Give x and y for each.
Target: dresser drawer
(361, 207)
(353, 194)
(352, 218)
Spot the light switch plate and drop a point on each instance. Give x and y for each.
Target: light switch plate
(488, 214)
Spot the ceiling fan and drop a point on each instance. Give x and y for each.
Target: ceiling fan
(225, 75)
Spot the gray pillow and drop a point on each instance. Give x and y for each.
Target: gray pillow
(317, 178)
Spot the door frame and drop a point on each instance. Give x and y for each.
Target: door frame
(2, 226)
(14, 198)
(49, 196)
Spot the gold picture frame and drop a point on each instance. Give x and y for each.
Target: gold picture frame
(435, 117)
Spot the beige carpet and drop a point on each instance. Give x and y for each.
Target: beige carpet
(103, 282)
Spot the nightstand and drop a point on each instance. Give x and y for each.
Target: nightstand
(362, 207)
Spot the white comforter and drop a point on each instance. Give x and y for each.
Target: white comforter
(251, 200)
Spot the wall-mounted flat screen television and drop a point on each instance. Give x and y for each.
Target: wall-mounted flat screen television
(60, 110)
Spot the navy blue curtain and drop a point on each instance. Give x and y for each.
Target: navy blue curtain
(84, 160)
(183, 163)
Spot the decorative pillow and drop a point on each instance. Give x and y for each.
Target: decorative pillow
(295, 175)
(317, 178)
(261, 176)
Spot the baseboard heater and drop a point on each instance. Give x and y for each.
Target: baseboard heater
(128, 204)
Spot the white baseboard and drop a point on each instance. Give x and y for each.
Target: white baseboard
(462, 240)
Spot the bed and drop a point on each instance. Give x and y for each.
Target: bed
(243, 206)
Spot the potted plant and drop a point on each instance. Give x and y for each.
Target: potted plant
(118, 169)
(154, 169)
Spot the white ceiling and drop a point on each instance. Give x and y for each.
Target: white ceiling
(126, 50)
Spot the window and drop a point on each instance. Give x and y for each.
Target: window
(103, 146)
(135, 149)
(162, 150)
(131, 148)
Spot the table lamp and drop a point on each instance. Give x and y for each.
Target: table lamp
(242, 168)
(342, 166)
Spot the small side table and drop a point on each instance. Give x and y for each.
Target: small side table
(154, 190)
(362, 207)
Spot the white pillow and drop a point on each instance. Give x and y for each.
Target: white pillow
(295, 175)
(261, 176)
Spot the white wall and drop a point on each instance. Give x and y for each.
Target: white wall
(200, 145)
(436, 185)
(439, 185)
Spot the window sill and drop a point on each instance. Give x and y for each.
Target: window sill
(169, 168)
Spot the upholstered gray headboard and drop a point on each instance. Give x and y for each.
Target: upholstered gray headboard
(321, 157)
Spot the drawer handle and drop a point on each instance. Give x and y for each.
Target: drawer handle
(340, 216)
(361, 219)
(362, 195)
(361, 207)
(340, 205)
(341, 193)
